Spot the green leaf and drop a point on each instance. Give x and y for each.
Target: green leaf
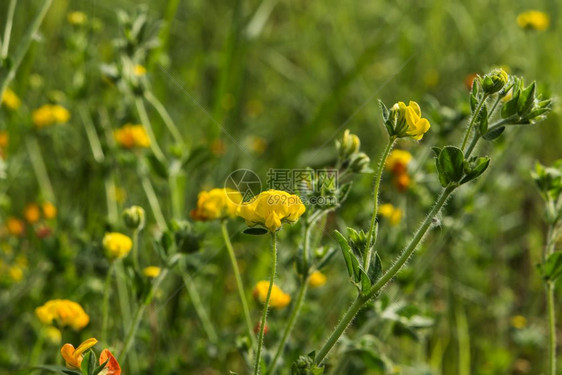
(384, 111)
(553, 266)
(450, 165)
(157, 166)
(88, 363)
(255, 231)
(493, 134)
(483, 120)
(476, 168)
(436, 151)
(375, 268)
(350, 260)
(526, 99)
(100, 368)
(510, 108)
(51, 368)
(365, 282)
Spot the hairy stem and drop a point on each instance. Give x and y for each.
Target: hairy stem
(472, 120)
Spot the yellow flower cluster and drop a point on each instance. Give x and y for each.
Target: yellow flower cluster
(50, 114)
(278, 299)
(10, 99)
(216, 204)
(393, 214)
(533, 20)
(417, 126)
(117, 245)
(272, 208)
(316, 279)
(64, 312)
(130, 136)
(77, 18)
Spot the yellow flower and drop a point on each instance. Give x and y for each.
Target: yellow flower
(50, 114)
(15, 226)
(10, 99)
(533, 20)
(53, 335)
(518, 321)
(64, 312)
(49, 210)
(151, 271)
(316, 279)
(139, 70)
(117, 245)
(77, 18)
(411, 114)
(397, 161)
(130, 136)
(16, 273)
(32, 213)
(390, 212)
(216, 204)
(271, 208)
(278, 298)
(73, 357)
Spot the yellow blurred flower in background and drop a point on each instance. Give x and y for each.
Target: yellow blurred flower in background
(49, 210)
(32, 213)
(77, 18)
(393, 214)
(117, 245)
(279, 299)
(398, 161)
(15, 226)
(216, 204)
(73, 357)
(518, 322)
(50, 114)
(130, 136)
(53, 335)
(272, 208)
(533, 20)
(151, 271)
(10, 99)
(139, 70)
(316, 279)
(64, 312)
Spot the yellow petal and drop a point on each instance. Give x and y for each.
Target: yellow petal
(67, 352)
(85, 346)
(415, 106)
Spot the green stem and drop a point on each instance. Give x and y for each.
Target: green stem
(360, 301)
(199, 309)
(93, 138)
(175, 196)
(551, 328)
(239, 284)
(110, 197)
(23, 46)
(8, 28)
(471, 146)
(136, 249)
(473, 119)
(153, 202)
(141, 109)
(266, 305)
(378, 177)
(298, 303)
(105, 304)
(39, 168)
(165, 117)
(138, 316)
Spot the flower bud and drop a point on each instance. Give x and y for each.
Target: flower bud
(348, 145)
(134, 217)
(359, 163)
(494, 81)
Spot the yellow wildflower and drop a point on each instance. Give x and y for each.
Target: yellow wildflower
(316, 279)
(398, 161)
(16, 273)
(50, 114)
(73, 357)
(390, 212)
(216, 204)
(278, 298)
(130, 136)
(15, 226)
(518, 322)
(151, 272)
(117, 245)
(77, 18)
(64, 312)
(53, 335)
(271, 208)
(533, 20)
(139, 70)
(32, 213)
(411, 114)
(49, 210)
(10, 99)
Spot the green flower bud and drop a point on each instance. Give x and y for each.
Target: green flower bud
(359, 163)
(134, 217)
(348, 145)
(494, 81)
(186, 240)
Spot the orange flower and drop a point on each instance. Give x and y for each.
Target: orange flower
(402, 182)
(15, 226)
(112, 365)
(32, 213)
(73, 357)
(49, 210)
